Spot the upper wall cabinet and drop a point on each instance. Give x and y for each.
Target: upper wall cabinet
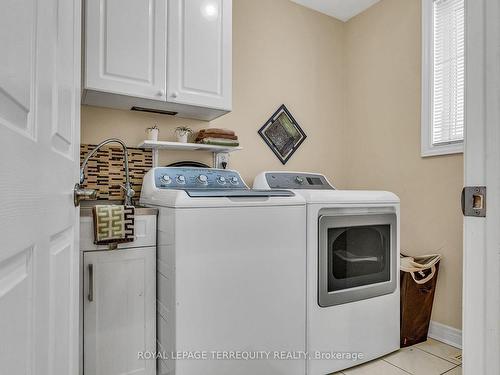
(126, 47)
(199, 53)
(170, 56)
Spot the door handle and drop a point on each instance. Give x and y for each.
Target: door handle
(91, 283)
(80, 194)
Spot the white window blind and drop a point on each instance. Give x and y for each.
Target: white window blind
(448, 71)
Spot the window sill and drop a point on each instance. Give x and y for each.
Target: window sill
(447, 149)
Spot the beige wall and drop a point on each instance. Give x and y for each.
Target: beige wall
(282, 53)
(383, 133)
(354, 88)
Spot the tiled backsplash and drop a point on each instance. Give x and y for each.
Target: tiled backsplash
(105, 171)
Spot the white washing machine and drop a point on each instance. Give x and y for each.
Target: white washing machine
(352, 270)
(231, 274)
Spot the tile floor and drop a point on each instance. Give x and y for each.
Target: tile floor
(428, 358)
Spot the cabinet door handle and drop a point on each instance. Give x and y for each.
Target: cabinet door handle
(91, 283)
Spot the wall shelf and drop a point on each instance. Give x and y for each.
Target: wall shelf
(177, 146)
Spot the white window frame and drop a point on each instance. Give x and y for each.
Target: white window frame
(427, 147)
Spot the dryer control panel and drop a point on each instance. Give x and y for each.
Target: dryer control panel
(197, 178)
(297, 180)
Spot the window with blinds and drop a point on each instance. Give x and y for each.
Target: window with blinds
(443, 76)
(449, 61)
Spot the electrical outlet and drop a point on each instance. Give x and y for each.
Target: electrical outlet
(221, 160)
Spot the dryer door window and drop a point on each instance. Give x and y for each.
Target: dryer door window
(357, 258)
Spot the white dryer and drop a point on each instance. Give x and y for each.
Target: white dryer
(352, 270)
(231, 274)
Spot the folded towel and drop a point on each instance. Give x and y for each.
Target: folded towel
(113, 224)
(217, 131)
(219, 142)
(215, 135)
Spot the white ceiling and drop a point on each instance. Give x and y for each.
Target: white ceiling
(340, 9)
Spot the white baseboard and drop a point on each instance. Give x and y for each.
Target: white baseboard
(446, 334)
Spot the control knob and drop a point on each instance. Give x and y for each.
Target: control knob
(299, 180)
(234, 180)
(180, 179)
(221, 180)
(203, 179)
(166, 179)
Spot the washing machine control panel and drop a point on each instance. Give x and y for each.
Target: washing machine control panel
(197, 178)
(291, 180)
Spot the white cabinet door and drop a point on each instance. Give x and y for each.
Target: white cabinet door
(119, 311)
(126, 47)
(200, 52)
(39, 159)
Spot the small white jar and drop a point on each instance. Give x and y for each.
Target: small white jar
(153, 133)
(182, 137)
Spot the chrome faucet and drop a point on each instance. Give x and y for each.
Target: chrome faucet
(129, 192)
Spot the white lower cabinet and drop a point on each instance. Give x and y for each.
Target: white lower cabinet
(119, 311)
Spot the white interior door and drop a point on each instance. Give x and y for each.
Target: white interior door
(481, 292)
(39, 147)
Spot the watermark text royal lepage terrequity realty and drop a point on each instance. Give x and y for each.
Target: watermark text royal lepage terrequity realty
(237, 355)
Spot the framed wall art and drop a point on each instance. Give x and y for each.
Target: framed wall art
(282, 134)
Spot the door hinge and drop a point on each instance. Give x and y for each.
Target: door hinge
(474, 201)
